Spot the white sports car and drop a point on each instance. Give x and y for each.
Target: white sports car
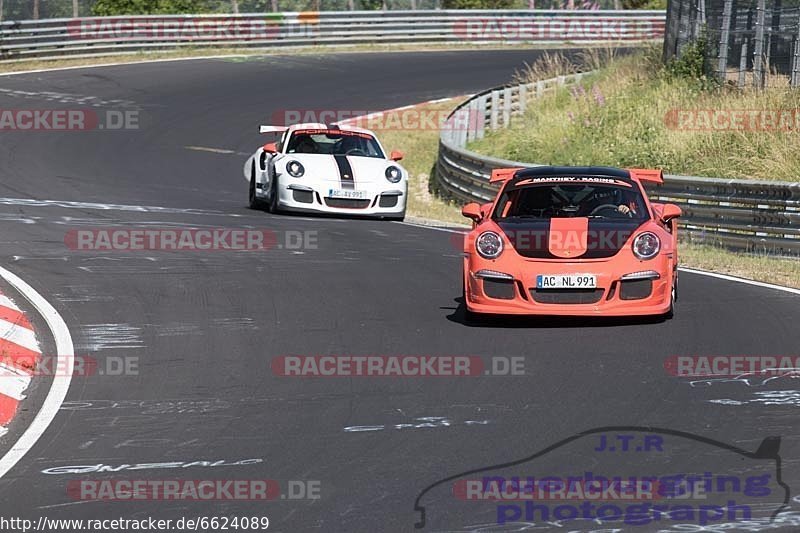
(322, 168)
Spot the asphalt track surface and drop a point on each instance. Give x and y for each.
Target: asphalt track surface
(205, 326)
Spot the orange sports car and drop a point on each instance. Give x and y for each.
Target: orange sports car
(581, 241)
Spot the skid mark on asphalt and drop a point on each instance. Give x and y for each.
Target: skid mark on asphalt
(151, 407)
(111, 336)
(67, 98)
(67, 204)
(784, 397)
(424, 422)
(223, 151)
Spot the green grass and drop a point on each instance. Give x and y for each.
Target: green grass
(620, 117)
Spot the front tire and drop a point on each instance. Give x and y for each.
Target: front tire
(273, 197)
(470, 317)
(673, 297)
(254, 202)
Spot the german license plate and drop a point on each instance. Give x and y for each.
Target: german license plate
(347, 193)
(566, 281)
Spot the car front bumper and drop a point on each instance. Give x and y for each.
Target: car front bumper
(377, 201)
(616, 292)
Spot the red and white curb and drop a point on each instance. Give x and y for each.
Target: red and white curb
(65, 360)
(19, 352)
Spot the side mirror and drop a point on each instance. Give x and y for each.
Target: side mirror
(670, 211)
(396, 155)
(272, 148)
(472, 211)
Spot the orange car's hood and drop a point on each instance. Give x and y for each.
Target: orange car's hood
(569, 238)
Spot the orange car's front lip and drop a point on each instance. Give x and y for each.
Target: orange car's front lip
(607, 271)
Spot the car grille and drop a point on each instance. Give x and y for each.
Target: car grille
(566, 296)
(346, 203)
(499, 289)
(304, 197)
(388, 201)
(635, 289)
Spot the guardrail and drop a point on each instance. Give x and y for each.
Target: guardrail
(739, 214)
(124, 35)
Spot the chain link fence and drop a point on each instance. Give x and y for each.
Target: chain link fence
(49, 9)
(744, 42)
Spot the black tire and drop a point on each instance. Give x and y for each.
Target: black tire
(254, 202)
(673, 297)
(470, 318)
(273, 197)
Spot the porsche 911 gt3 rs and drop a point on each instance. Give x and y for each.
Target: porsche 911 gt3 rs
(327, 169)
(571, 241)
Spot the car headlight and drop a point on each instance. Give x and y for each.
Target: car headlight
(489, 245)
(295, 169)
(393, 174)
(646, 245)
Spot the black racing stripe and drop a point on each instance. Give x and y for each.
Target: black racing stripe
(531, 238)
(345, 172)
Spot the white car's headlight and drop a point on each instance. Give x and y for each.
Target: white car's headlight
(393, 174)
(295, 169)
(646, 245)
(489, 245)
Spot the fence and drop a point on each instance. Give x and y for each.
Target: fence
(739, 214)
(47, 9)
(746, 41)
(120, 35)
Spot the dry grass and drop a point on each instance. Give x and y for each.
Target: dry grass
(766, 268)
(627, 116)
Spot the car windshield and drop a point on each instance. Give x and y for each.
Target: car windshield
(334, 142)
(545, 198)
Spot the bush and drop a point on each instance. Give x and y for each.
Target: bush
(691, 65)
(149, 7)
(478, 4)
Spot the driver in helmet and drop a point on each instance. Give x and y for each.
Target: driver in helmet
(614, 196)
(349, 143)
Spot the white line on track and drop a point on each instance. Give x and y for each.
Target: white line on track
(60, 386)
(682, 269)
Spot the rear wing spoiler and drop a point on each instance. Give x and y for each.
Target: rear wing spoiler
(272, 129)
(648, 175)
(503, 174)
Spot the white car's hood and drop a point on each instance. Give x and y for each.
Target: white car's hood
(340, 169)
